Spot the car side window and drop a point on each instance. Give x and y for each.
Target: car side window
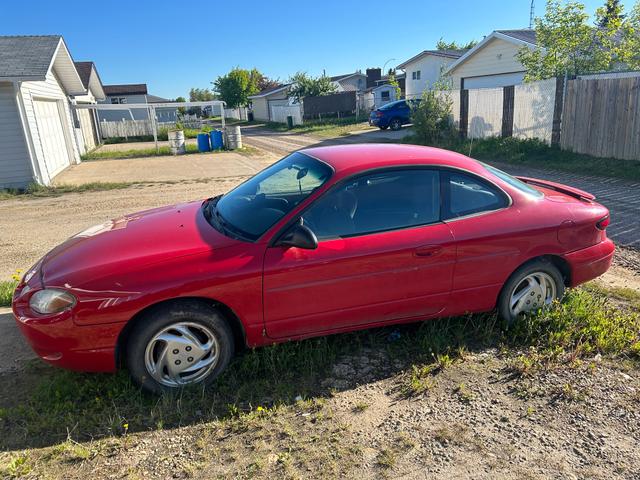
(466, 195)
(377, 202)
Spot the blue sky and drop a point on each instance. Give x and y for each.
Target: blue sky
(173, 46)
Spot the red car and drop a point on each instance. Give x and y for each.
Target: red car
(327, 240)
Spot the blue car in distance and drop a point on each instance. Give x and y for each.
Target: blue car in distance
(393, 114)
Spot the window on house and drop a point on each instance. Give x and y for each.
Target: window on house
(415, 75)
(118, 100)
(384, 95)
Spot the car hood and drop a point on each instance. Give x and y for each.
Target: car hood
(131, 242)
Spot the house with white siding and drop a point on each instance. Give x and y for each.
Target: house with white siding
(87, 120)
(356, 81)
(423, 70)
(37, 141)
(493, 62)
(133, 93)
(262, 102)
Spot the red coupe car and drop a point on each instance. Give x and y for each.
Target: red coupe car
(327, 240)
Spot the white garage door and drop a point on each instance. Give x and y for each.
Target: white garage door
(276, 103)
(51, 133)
(494, 81)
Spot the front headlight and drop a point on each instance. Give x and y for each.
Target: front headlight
(51, 301)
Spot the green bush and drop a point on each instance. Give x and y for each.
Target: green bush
(431, 118)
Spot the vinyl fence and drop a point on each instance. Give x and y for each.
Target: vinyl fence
(279, 114)
(533, 109)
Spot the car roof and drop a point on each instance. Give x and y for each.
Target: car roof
(349, 159)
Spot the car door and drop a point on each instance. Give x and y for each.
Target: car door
(383, 254)
(488, 249)
(404, 112)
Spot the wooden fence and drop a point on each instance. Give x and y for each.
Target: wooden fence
(601, 117)
(595, 116)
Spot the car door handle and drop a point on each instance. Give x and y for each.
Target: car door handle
(428, 250)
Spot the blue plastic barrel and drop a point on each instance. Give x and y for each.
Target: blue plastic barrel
(203, 142)
(216, 139)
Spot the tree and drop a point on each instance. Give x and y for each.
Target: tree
(304, 85)
(444, 45)
(393, 81)
(236, 86)
(610, 14)
(201, 95)
(265, 82)
(181, 110)
(566, 43)
(631, 39)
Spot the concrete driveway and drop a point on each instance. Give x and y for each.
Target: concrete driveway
(166, 168)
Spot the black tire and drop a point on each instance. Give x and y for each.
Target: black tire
(164, 316)
(395, 124)
(384, 128)
(535, 266)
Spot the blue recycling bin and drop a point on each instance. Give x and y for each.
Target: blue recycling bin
(203, 142)
(216, 140)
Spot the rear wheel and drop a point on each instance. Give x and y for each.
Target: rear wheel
(532, 287)
(183, 344)
(395, 124)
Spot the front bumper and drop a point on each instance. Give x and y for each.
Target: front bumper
(58, 340)
(591, 262)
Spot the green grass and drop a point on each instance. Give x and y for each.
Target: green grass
(34, 190)
(50, 402)
(6, 291)
(135, 153)
(538, 154)
(334, 127)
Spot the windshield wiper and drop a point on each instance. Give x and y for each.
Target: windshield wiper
(213, 216)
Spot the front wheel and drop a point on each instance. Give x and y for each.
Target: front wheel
(532, 287)
(179, 345)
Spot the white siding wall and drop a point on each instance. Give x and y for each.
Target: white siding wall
(497, 56)
(51, 89)
(261, 105)
(118, 115)
(431, 67)
(15, 166)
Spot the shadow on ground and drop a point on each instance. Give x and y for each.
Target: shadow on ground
(45, 406)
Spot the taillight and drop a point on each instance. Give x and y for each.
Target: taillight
(379, 114)
(603, 223)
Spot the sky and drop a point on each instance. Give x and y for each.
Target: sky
(173, 46)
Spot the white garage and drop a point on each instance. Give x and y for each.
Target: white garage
(49, 119)
(37, 77)
(493, 62)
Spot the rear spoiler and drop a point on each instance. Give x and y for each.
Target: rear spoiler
(558, 187)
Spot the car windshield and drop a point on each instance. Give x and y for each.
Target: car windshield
(253, 207)
(513, 181)
(392, 105)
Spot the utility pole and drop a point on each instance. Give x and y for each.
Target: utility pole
(532, 13)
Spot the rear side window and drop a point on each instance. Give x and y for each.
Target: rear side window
(465, 194)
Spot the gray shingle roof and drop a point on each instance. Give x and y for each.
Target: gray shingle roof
(84, 70)
(27, 56)
(525, 34)
(126, 89)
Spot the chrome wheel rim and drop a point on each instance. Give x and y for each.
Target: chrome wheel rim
(181, 354)
(533, 292)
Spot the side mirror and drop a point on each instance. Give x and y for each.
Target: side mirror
(300, 236)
